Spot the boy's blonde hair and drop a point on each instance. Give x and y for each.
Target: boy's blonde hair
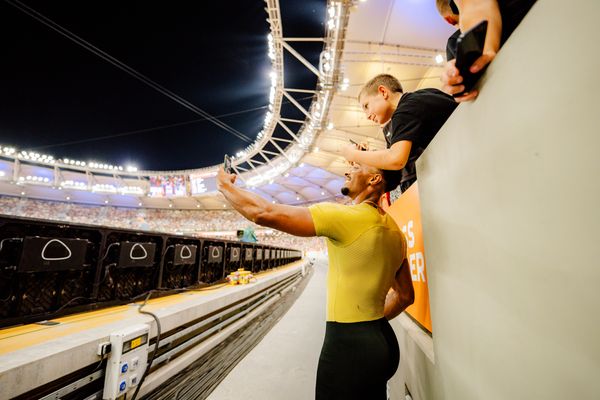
(386, 80)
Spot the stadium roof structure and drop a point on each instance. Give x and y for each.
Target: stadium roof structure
(292, 161)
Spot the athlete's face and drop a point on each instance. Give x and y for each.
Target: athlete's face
(358, 178)
(376, 106)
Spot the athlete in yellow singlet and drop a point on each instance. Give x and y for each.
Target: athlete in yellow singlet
(368, 280)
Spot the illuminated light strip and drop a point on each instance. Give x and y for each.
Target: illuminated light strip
(104, 188)
(70, 184)
(34, 179)
(7, 150)
(131, 190)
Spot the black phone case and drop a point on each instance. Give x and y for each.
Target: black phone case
(469, 47)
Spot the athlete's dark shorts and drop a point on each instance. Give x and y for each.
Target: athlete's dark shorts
(357, 360)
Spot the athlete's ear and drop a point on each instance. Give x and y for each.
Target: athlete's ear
(375, 179)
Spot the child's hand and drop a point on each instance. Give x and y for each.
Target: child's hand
(364, 146)
(452, 83)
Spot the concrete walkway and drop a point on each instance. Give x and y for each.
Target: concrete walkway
(284, 364)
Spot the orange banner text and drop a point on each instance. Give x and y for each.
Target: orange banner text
(407, 214)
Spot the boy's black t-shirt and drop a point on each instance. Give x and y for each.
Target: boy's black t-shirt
(418, 117)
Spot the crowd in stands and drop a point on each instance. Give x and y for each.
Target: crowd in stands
(187, 222)
(277, 238)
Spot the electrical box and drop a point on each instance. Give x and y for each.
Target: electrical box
(185, 254)
(214, 254)
(248, 255)
(134, 254)
(235, 254)
(127, 361)
(52, 254)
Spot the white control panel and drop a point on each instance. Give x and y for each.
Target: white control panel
(127, 361)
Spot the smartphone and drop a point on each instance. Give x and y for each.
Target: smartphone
(227, 164)
(358, 146)
(469, 47)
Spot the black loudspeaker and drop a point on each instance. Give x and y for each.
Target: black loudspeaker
(52, 254)
(134, 254)
(248, 255)
(185, 254)
(215, 254)
(235, 254)
(259, 254)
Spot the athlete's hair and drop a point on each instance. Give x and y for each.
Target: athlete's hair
(386, 80)
(391, 179)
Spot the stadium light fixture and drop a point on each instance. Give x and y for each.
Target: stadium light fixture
(103, 187)
(7, 150)
(345, 84)
(331, 11)
(34, 179)
(70, 184)
(132, 190)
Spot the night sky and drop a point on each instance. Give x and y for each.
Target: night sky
(59, 99)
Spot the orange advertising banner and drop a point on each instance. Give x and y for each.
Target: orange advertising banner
(406, 211)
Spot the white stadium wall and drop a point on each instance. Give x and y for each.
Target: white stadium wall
(510, 200)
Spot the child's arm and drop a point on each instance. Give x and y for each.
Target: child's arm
(394, 158)
(473, 12)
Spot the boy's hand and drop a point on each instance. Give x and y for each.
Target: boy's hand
(363, 146)
(347, 151)
(451, 83)
(224, 179)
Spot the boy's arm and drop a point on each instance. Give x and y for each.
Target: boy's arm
(394, 158)
(401, 294)
(473, 12)
(294, 220)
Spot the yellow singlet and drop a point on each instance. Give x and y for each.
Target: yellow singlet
(365, 251)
